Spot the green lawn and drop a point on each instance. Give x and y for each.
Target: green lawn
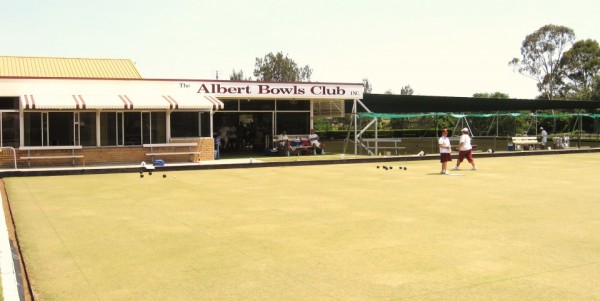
(519, 228)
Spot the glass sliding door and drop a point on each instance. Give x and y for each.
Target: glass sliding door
(87, 128)
(111, 129)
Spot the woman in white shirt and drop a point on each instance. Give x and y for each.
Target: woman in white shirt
(445, 151)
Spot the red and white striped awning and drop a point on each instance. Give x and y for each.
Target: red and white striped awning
(217, 104)
(119, 102)
(51, 102)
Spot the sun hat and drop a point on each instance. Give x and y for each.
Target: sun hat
(465, 130)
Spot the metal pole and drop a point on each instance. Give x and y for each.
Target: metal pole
(580, 126)
(355, 116)
(376, 135)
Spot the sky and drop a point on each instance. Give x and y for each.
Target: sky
(441, 48)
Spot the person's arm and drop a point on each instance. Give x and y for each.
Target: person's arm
(442, 144)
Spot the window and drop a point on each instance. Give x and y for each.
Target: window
(230, 105)
(257, 105)
(205, 125)
(132, 128)
(111, 128)
(293, 105)
(293, 123)
(87, 128)
(9, 122)
(9, 103)
(43, 128)
(158, 127)
(185, 124)
(60, 128)
(10, 129)
(32, 123)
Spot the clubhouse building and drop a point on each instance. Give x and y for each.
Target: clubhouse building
(66, 111)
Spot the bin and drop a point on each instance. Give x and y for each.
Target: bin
(511, 147)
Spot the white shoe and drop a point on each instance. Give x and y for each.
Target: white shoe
(445, 172)
(474, 168)
(455, 168)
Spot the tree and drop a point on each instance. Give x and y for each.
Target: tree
(581, 64)
(280, 68)
(505, 123)
(541, 53)
(389, 91)
(407, 90)
(491, 95)
(238, 75)
(367, 86)
(595, 95)
(305, 73)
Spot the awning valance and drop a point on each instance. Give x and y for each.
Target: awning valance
(75, 102)
(49, 102)
(110, 102)
(119, 102)
(217, 104)
(195, 102)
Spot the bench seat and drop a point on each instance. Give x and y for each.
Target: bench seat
(175, 144)
(52, 157)
(172, 153)
(43, 155)
(172, 149)
(526, 141)
(371, 142)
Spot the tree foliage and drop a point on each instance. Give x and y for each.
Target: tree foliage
(238, 76)
(595, 94)
(581, 64)
(280, 68)
(484, 125)
(367, 86)
(542, 52)
(491, 95)
(407, 90)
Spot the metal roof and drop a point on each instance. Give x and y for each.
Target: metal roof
(17, 66)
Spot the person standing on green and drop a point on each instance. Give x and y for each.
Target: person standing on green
(445, 151)
(544, 136)
(465, 150)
